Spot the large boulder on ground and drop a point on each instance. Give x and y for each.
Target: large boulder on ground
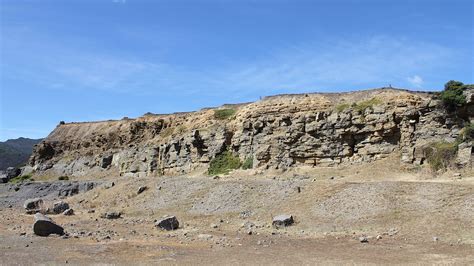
(3, 177)
(33, 205)
(168, 223)
(44, 226)
(282, 220)
(12, 172)
(60, 207)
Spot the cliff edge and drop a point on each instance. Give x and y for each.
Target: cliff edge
(277, 132)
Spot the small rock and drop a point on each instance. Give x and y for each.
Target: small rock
(363, 239)
(68, 212)
(214, 226)
(457, 174)
(435, 238)
(168, 223)
(205, 236)
(142, 189)
(379, 237)
(60, 207)
(33, 204)
(44, 226)
(111, 215)
(282, 220)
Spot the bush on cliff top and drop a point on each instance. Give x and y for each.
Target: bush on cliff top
(223, 163)
(452, 95)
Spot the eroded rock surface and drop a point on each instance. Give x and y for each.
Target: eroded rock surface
(277, 132)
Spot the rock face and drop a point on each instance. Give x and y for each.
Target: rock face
(44, 226)
(277, 132)
(168, 223)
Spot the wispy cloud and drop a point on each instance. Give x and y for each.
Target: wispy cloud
(416, 81)
(334, 64)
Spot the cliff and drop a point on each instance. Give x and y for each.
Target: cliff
(277, 132)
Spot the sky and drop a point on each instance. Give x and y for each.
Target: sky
(106, 59)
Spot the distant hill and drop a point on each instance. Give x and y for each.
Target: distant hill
(15, 152)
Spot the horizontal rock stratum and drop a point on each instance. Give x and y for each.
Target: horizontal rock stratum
(277, 132)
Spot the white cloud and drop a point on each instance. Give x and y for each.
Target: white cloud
(416, 81)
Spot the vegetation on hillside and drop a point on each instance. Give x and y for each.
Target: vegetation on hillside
(20, 179)
(223, 163)
(223, 114)
(453, 96)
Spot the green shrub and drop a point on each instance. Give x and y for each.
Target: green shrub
(440, 154)
(20, 179)
(64, 177)
(248, 163)
(223, 114)
(341, 107)
(452, 95)
(362, 106)
(223, 163)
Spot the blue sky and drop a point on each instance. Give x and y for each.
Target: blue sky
(106, 59)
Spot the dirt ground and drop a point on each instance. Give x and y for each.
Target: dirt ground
(408, 218)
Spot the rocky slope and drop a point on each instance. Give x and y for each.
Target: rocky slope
(277, 132)
(15, 152)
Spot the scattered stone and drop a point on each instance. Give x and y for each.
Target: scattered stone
(214, 226)
(44, 226)
(282, 220)
(457, 175)
(142, 189)
(68, 212)
(205, 236)
(392, 231)
(379, 237)
(363, 239)
(112, 215)
(435, 239)
(60, 207)
(168, 223)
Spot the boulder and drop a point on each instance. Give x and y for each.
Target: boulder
(168, 223)
(44, 226)
(33, 204)
(3, 177)
(12, 172)
(282, 220)
(60, 207)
